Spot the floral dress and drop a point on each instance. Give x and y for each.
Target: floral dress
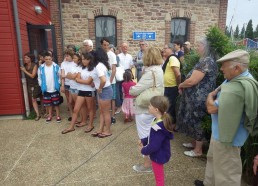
(192, 107)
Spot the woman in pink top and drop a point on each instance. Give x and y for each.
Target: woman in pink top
(127, 106)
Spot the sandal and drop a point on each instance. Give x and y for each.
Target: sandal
(81, 125)
(95, 134)
(37, 118)
(192, 154)
(101, 135)
(65, 131)
(88, 129)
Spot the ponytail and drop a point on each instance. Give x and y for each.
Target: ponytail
(167, 120)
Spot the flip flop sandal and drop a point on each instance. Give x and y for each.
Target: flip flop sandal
(89, 130)
(37, 118)
(67, 131)
(95, 134)
(101, 135)
(80, 125)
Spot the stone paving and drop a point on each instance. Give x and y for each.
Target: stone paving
(36, 153)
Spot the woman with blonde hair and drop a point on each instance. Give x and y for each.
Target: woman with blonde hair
(152, 61)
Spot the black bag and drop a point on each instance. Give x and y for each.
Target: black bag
(61, 99)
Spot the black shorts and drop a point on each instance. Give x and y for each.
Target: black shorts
(87, 93)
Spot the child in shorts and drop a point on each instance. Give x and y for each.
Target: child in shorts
(49, 80)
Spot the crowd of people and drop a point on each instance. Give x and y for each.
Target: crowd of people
(87, 78)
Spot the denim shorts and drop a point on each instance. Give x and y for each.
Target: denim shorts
(73, 91)
(67, 87)
(106, 94)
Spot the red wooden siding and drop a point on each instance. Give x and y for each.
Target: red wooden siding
(27, 14)
(11, 99)
(11, 95)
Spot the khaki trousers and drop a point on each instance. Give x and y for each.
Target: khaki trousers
(224, 166)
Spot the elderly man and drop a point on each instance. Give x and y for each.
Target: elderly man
(233, 107)
(188, 45)
(126, 60)
(138, 60)
(88, 46)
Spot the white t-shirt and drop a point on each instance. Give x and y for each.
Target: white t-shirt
(112, 61)
(49, 74)
(66, 66)
(101, 70)
(85, 74)
(126, 61)
(74, 70)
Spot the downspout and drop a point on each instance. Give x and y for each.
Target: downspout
(23, 79)
(61, 22)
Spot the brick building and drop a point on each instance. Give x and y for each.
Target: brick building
(44, 24)
(116, 19)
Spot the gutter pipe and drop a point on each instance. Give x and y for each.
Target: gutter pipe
(61, 22)
(18, 36)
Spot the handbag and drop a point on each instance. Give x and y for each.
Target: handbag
(119, 73)
(143, 99)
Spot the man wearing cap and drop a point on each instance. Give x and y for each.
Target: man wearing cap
(233, 108)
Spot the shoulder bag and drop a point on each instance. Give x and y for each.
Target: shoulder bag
(143, 100)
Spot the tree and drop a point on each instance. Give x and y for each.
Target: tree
(227, 31)
(242, 33)
(236, 33)
(256, 32)
(249, 33)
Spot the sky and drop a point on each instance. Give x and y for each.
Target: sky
(242, 11)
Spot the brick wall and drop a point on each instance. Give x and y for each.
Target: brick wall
(55, 20)
(138, 15)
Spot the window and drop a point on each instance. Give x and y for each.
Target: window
(105, 26)
(179, 29)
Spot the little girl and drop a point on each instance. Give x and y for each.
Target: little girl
(127, 106)
(157, 145)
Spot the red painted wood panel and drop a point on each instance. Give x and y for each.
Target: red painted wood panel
(11, 95)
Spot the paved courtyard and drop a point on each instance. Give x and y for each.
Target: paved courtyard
(36, 153)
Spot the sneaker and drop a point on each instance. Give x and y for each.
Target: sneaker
(192, 154)
(58, 119)
(141, 168)
(113, 120)
(48, 119)
(198, 183)
(188, 145)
